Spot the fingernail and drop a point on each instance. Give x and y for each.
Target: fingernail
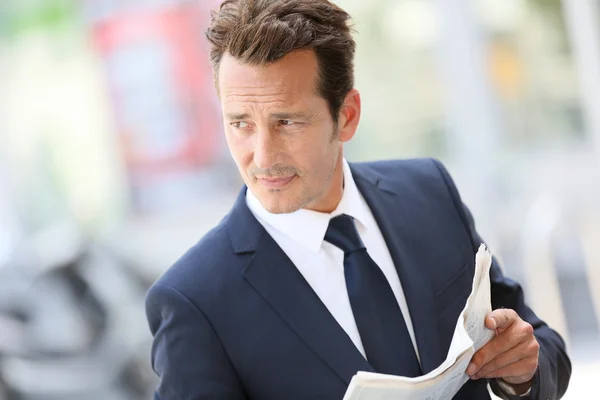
(471, 368)
(494, 324)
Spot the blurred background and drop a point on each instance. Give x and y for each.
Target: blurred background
(113, 163)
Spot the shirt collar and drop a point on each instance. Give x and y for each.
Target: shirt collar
(308, 227)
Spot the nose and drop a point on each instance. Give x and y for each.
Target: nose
(266, 149)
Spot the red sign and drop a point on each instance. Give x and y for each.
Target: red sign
(162, 88)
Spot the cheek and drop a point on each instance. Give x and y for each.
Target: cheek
(239, 148)
(319, 158)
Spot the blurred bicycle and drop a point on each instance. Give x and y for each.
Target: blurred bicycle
(71, 322)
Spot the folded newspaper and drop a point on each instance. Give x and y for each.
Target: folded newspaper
(446, 380)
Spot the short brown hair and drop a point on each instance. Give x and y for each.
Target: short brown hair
(260, 32)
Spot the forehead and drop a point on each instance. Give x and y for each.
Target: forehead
(289, 79)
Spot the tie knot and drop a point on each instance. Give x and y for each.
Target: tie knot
(342, 233)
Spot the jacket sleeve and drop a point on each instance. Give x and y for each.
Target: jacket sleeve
(187, 354)
(554, 367)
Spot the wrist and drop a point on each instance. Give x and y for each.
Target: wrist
(518, 389)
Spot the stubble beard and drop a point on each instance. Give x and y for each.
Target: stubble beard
(306, 198)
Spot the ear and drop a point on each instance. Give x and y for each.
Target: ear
(349, 116)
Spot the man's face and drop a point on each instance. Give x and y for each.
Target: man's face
(281, 134)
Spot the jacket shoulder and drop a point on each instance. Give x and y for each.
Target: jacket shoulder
(205, 266)
(414, 170)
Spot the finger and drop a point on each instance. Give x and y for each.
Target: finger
(503, 317)
(498, 345)
(516, 373)
(513, 356)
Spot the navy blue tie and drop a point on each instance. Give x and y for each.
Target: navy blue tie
(380, 323)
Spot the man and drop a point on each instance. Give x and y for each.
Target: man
(325, 268)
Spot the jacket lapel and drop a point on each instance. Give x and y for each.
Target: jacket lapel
(273, 275)
(396, 224)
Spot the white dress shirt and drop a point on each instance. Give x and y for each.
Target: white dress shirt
(301, 236)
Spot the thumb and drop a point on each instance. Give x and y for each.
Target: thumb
(501, 319)
(490, 322)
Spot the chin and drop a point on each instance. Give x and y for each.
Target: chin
(280, 208)
(278, 205)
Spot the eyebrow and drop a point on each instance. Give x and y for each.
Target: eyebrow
(285, 115)
(237, 116)
(297, 115)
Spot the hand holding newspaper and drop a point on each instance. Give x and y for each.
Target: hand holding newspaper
(445, 381)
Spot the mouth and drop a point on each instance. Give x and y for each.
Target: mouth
(275, 183)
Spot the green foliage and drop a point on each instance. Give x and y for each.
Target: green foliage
(19, 17)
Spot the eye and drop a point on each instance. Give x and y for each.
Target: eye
(240, 124)
(286, 122)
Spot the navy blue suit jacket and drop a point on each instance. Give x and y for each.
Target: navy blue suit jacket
(235, 319)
